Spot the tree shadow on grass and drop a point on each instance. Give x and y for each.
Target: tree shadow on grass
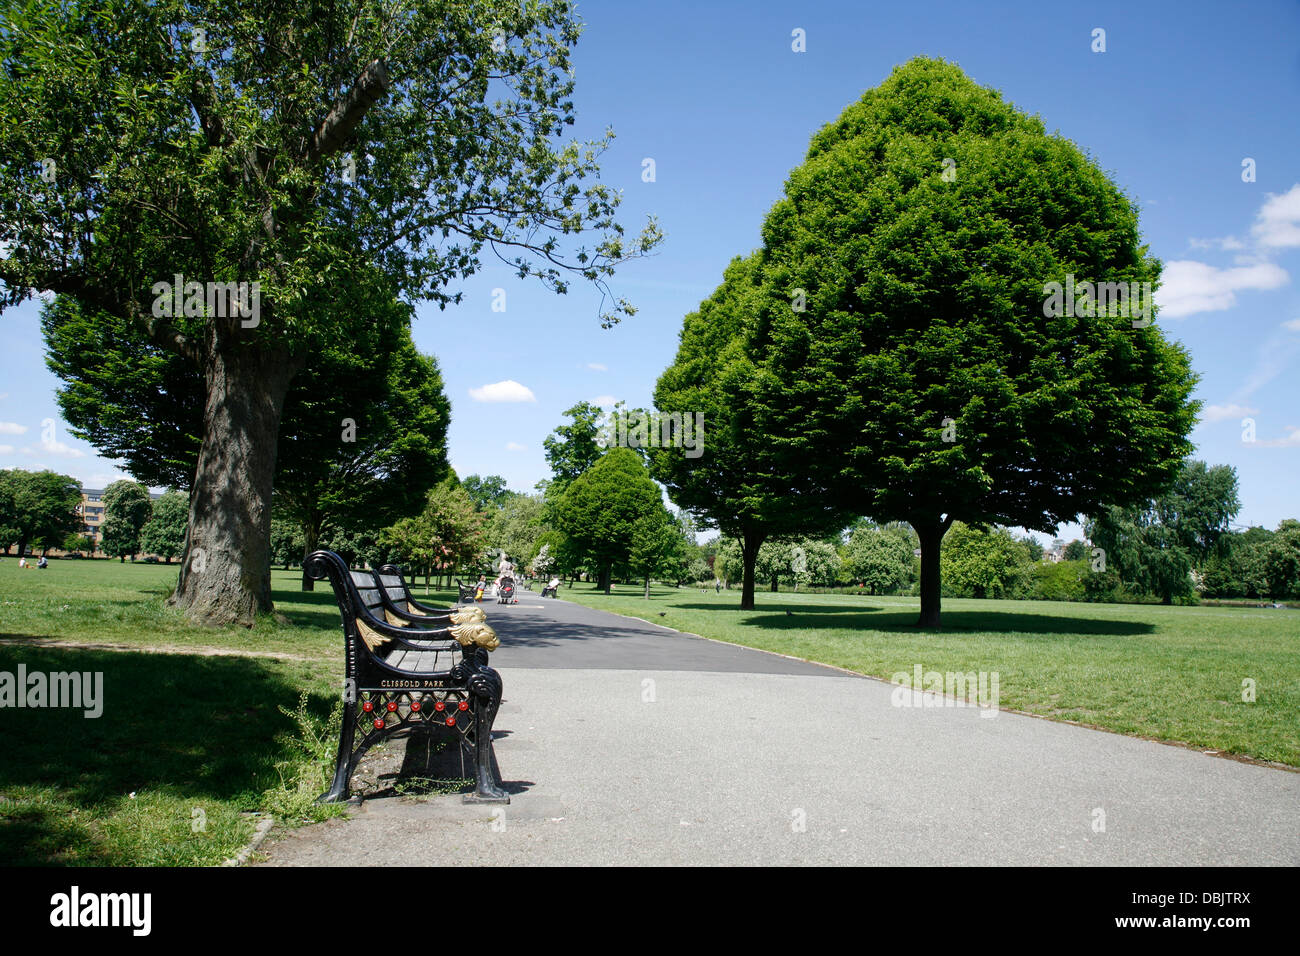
(828, 609)
(811, 617)
(180, 724)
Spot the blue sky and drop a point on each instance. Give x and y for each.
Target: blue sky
(714, 94)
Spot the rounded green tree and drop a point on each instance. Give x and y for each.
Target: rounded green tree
(960, 325)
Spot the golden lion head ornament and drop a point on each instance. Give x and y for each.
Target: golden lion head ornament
(480, 634)
(467, 615)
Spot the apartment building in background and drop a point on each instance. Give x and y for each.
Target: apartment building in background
(91, 512)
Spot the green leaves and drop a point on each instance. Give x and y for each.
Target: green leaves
(220, 163)
(37, 508)
(601, 508)
(1155, 545)
(924, 305)
(164, 533)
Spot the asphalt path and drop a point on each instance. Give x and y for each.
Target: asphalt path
(624, 743)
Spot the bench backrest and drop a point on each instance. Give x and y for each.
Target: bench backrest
(395, 587)
(362, 611)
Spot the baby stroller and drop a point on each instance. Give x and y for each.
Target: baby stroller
(506, 591)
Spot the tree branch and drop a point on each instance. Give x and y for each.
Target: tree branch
(370, 87)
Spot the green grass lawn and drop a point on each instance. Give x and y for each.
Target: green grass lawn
(1171, 673)
(202, 725)
(189, 741)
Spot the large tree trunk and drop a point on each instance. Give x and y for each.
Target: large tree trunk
(751, 541)
(931, 535)
(606, 577)
(226, 575)
(647, 587)
(774, 584)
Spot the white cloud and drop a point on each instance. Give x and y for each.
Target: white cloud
(514, 446)
(1275, 357)
(597, 367)
(1217, 413)
(507, 391)
(1293, 325)
(53, 446)
(56, 447)
(605, 401)
(103, 481)
(1188, 287)
(6, 449)
(1228, 243)
(12, 428)
(1292, 439)
(1277, 224)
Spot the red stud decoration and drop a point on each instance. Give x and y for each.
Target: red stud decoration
(439, 707)
(463, 705)
(367, 706)
(379, 723)
(392, 706)
(415, 706)
(451, 721)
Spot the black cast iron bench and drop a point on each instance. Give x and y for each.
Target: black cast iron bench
(402, 609)
(400, 678)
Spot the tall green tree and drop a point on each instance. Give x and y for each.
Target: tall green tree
(728, 561)
(1147, 556)
(9, 530)
(657, 546)
(286, 541)
(880, 557)
(515, 527)
(134, 401)
(735, 478)
(38, 508)
(177, 150)
(1200, 506)
(1155, 545)
(912, 349)
(1238, 569)
(127, 508)
(1076, 550)
(364, 438)
(486, 492)
(566, 560)
(600, 509)
(573, 447)
(985, 563)
(164, 534)
(1282, 561)
(43, 509)
(446, 535)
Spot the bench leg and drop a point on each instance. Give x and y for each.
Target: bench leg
(338, 790)
(486, 687)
